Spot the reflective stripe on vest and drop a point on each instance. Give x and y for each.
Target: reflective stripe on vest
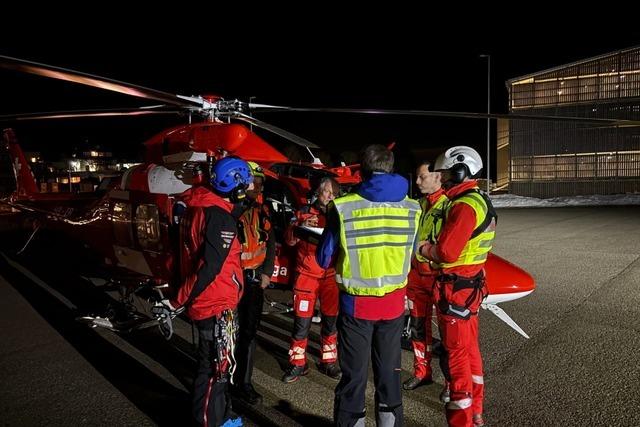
(254, 248)
(431, 222)
(477, 249)
(377, 240)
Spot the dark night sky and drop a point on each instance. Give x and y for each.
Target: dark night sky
(413, 66)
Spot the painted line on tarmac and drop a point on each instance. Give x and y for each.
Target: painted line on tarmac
(35, 279)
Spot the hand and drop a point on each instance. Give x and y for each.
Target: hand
(312, 221)
(265, 280)
(163, 309)
(423, 248)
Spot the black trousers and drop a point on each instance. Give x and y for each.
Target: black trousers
(249, 315)
(357, 340)
(211, 405)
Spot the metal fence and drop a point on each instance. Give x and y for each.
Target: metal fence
(549, 159)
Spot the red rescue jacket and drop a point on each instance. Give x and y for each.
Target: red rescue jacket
(210, 255)
(306, 242)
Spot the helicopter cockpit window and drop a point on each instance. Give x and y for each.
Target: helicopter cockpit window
(281, 202)
(148, 226)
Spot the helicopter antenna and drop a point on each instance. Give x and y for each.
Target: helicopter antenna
(316, 160)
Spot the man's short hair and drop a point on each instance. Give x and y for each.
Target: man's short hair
(377, 158)
(426, 163)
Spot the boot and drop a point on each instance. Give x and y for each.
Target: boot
(332, 370)
(415, 382)
(293, 373)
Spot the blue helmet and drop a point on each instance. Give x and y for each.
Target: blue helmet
(230, 177)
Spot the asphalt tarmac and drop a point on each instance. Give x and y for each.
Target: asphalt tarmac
(581, 365)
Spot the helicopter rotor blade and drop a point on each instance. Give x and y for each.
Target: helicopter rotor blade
(72, 114)
(265, 108)
(95, 81)
(274, 129)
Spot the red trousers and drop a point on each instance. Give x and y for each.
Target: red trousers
(420, 298)
(305, 292)
(462, 362)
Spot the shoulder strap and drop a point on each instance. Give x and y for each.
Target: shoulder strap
(491, 212)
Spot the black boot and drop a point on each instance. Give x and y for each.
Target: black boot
(415, 382)
(293, 373)
(332, 370)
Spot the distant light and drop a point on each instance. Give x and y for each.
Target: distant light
(34, 159)
(94, 154)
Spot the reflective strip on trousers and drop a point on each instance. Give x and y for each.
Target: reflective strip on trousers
(386, 416)
(329, 351)
(478, 379)
(297, 353)
(459, 404)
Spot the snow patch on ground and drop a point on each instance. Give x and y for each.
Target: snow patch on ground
(513, 201)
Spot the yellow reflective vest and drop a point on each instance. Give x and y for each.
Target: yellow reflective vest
(431, 221)
(479, 245)
(376, 244)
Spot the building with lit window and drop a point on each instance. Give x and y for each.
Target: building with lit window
(555, 158)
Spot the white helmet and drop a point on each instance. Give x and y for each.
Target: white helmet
(462, 161)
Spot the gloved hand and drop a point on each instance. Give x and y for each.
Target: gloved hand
(163, 310)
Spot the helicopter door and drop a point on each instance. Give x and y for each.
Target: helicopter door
(125, 254)
(121, 223)
(280, 201)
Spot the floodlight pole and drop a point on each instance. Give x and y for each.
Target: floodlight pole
(488, 166)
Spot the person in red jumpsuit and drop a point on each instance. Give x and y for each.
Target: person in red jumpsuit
(461, 250)
(313, 281)
(422, 276)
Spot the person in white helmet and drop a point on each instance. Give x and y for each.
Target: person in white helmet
(461, 250)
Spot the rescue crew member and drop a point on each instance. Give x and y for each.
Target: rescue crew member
(462, 249)
(258, 255)
(371, 233)
(213, 282)
(313, 281)
(423, 275)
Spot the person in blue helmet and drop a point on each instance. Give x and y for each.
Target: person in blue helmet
(213, 283)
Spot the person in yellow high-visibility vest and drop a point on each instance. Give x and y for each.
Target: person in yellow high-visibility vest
(370, 237)
(461, 250)
(423, 275)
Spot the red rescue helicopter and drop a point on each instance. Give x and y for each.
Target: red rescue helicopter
(132, 226)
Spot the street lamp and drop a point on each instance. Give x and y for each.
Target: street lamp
(488, 119)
